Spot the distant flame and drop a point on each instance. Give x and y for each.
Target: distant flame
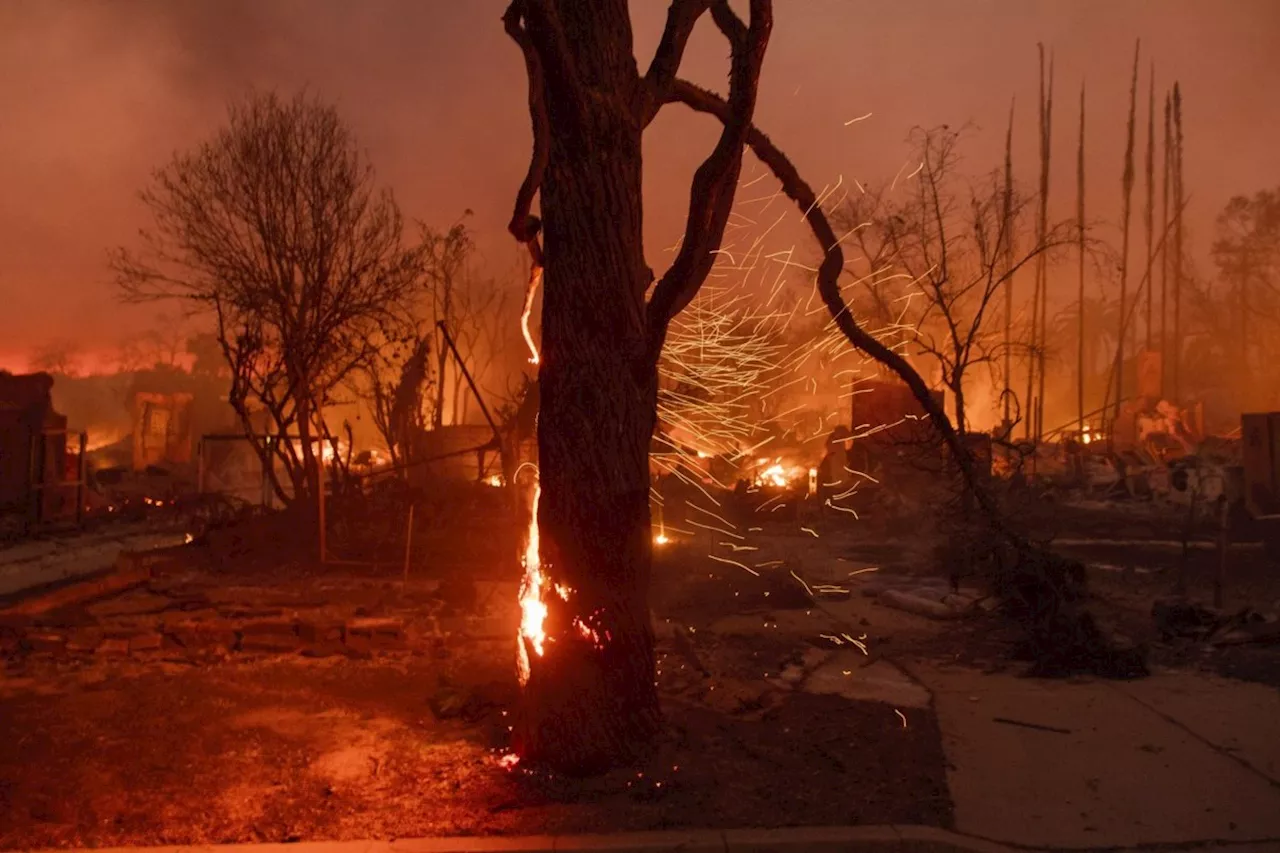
(777, 474)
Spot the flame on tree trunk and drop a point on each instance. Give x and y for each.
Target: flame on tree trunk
(586, 657)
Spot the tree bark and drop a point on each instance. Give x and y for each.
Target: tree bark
(588, 702)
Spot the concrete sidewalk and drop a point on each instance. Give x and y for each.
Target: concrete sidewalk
(859, 839)
(47, 561)
(856, 839)
(1177, 759)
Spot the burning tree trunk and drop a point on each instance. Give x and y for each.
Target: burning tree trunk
(586, 643)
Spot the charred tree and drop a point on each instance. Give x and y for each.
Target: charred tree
(589, 699)
(1007, 216)
(1126, 186)
(1165, 168)
(1148, 217)
(1080, 293)
(1179, 205)
(276, 228)
(1042, 225)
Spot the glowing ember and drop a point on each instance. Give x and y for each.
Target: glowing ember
(494, 481)
(509, 760)
(588, 633)
(661, 539)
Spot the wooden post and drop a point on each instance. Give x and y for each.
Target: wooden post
(84, 471)
(324, 554)
(408, 544)
(1187, 531)
(1220, 576)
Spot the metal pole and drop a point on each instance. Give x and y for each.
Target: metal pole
(467, 374)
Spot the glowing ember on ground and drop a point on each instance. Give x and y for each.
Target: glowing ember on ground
(493, 480)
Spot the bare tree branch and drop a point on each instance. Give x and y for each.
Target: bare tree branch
(828, 282)
(682, 15)
(524, 225)
(716, 181)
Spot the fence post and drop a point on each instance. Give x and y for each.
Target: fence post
(408, 544)
(324, 554)
(80, 486)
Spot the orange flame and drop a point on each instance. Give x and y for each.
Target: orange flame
(533, 610)
(778, 475)
(535, 278)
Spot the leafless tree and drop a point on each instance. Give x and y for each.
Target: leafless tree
(1246, 251)
(276, 228)
(60, 358)
(946, 244)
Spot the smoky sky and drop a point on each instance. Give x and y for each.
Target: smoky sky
(94, 95)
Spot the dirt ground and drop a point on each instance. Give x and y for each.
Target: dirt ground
(275, 731)
(289, 740)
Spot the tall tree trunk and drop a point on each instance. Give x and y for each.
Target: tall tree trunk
(1035, 344)
(1179, 204)
(1148, 218)
(590, 698)
(1080, 295)
(1007, 219)
(1042, 259)
(1164, 247)
(1126, 185)
(586, 643)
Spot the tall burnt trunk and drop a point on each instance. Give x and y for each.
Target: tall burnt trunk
(590, 697)
(586, 642)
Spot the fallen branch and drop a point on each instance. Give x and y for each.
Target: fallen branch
(1037, 726)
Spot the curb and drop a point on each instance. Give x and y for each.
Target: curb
(835, 839)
